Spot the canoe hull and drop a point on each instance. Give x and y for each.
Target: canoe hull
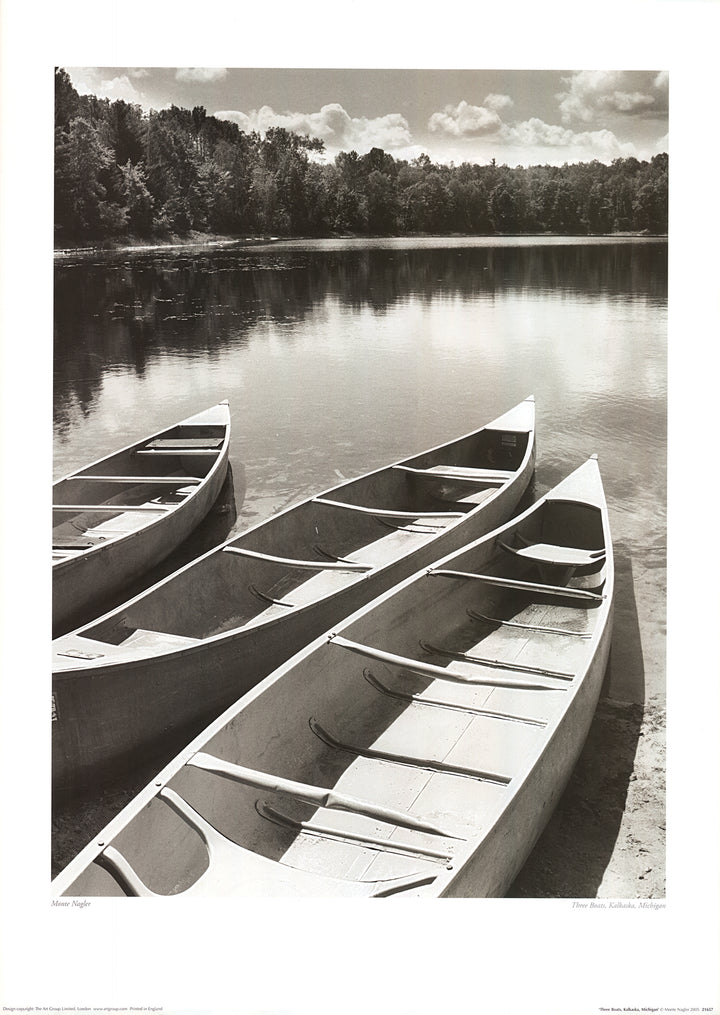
(108, 718)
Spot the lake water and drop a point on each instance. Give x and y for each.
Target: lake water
(340, 356)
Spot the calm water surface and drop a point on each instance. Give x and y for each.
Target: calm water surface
(341, 356)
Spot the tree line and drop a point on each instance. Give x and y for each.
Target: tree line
(122, 172)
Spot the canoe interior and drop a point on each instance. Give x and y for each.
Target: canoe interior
(226, 591)
(183, 454)
(446, 747)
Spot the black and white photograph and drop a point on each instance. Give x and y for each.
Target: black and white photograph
(364, 385)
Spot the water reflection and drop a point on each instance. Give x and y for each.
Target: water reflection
(112, 314)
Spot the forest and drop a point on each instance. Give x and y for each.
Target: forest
(121, 173)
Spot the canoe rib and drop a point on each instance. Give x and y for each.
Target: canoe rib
(343, 835)
(501, 664)
(427, 764)
(483, 618)
(417, 699)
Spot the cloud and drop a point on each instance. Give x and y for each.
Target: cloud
(89, 81)
(591, 95)
(498, 102)
(465, 120)
(201, 75)
(589, 144)
(332, 124)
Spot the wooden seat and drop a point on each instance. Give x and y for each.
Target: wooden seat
(184, 444)
(461, 473)
(553, 553)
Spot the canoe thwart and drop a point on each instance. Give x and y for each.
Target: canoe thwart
(111, 508)
(384, 513)
(317, 796)
(516, 583)
(311, 565)
(171, 480)
(435, 672)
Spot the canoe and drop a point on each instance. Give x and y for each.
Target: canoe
(159, 668)
(119, 516)
(417, 749)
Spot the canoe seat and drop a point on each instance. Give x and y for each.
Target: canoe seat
(553, 553)
(460, 473)
(183, 443)
(73, 543)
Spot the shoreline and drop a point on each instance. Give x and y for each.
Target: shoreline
(131, 244)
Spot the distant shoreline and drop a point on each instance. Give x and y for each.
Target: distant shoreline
(130, 244)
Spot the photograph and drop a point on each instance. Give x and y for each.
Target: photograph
(341, 308)
(363, 378)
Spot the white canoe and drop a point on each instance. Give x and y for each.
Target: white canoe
(163, 665)
(417, 749)
(119, 516)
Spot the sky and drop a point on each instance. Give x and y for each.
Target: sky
(517, 117)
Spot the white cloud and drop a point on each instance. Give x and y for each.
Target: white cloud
(200, 74)
(536, 135)
(89, 81)
(590, 94)
(498, 102)
(332, 124)
(465, 120)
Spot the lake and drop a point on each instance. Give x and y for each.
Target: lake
(339, 356)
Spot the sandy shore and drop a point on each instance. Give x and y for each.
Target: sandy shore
(606, 838)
